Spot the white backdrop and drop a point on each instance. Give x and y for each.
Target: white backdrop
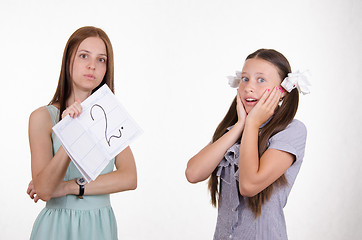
(171, 59)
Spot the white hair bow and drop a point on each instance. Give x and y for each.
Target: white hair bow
(234, 81)
(297, 80)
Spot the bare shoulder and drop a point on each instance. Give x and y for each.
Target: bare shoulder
(40, 114)
(40, 119)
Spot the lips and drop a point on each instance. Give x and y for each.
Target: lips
(251, 100)
(89, 76)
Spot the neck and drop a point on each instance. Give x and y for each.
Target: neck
(78, 94)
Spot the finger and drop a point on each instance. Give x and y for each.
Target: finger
(78, 108)
(273, 99)
(30, 187)
(265, 96)
(36, 199)
(71, 111)
(238, 99)
(74, 111)
(31, 194)
(239, 103)
(29, 190)
(65, 113)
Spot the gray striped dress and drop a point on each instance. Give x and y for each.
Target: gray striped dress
(235, 219)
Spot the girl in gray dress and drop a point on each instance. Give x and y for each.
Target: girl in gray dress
(256, 151)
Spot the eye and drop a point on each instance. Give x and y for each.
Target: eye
(261, 80)
(82, 55)
(102, 60)
(244, 79)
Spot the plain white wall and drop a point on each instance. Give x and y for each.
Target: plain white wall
(171, 59)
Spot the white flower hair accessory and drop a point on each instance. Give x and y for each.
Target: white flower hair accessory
(297, 80)
(234, 81)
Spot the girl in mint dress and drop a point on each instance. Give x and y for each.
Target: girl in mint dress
(74, 210)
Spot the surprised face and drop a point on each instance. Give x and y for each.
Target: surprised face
(257, 76)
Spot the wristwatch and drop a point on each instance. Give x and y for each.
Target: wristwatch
(81, 182)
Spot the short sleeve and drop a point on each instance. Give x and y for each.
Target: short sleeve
(292, 139)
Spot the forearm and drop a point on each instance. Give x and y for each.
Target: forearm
(112, 182)
(204, 163)
(249, 157)
(104, 184)
(48, 179)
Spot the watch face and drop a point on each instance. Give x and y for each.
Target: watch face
(81, 181)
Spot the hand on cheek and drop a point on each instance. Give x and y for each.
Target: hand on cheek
(266, 106)
(240, 109)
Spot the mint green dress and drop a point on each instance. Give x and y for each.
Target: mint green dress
(69, 217)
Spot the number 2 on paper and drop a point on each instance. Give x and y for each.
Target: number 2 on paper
(108, 140)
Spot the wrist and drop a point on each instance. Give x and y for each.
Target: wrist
(250, 123)
(81, 182)
(239, 126)
(72, 187)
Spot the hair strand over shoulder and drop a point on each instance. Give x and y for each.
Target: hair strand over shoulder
(282, 117)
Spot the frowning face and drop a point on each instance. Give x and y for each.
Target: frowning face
(89, 64)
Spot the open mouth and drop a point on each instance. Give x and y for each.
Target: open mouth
(250, 100)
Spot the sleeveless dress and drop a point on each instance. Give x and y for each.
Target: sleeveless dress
(69, 217)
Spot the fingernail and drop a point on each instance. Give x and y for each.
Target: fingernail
(268, 90)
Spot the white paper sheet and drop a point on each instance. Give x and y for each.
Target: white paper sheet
(103, 130)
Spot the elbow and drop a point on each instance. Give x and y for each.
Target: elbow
(130, 184)
(247, 190)
(191, 176)
(133, 183)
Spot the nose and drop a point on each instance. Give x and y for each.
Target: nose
(249, 87)
(91, 64)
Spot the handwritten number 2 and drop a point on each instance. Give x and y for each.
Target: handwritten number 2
(108, 140)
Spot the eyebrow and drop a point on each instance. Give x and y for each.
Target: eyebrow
(259, 73)
(102, 54)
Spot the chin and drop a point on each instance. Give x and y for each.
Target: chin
(91, 85)
(248, 109)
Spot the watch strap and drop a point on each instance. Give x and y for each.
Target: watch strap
(81, 191)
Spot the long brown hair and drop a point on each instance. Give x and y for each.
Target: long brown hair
(64, 87)
(283, 115)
